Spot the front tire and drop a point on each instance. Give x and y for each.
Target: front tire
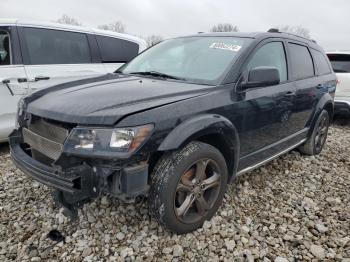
(187, 187)
(314, 144)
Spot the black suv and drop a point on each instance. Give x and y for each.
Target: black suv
(178, 122)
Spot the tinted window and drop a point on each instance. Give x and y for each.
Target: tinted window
(47, 46)
(116, 50)
(302, 65)
(271, 55)
(340, 63)
(321, 62)
(5, 54)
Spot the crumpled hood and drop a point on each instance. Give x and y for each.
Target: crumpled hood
(105, 100)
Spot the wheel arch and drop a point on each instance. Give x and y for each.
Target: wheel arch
(327, 103)
(212, 129)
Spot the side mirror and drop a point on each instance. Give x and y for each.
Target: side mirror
(262, 76)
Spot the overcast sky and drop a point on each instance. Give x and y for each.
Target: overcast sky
(328, 21)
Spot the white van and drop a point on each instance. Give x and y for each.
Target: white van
(341, 66)
(37, 55)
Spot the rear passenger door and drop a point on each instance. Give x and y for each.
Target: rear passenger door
(115, 51)
(55, 56)
(309, 87)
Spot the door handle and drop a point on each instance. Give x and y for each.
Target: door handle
(290, 93)
(40, 78)
(6, 81)
(22, 80)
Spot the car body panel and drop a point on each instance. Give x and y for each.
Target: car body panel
(106, 101)
(10, 94)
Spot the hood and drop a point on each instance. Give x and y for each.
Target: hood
(105, 100)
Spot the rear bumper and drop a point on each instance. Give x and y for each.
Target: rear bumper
(80, 183)
(342, 107)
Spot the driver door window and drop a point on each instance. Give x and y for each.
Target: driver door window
(270, 55)
(5, 48)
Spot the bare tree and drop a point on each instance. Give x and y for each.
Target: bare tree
(297, 30)
(65, 19)
(224, 28)
(153, 39)
(116, 26)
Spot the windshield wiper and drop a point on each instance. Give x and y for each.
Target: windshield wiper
(156, 74)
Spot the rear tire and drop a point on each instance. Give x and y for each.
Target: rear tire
(187, 187)
(314, 144)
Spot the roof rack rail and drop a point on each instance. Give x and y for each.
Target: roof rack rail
(276, 30)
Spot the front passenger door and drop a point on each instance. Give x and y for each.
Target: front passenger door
(267, 111)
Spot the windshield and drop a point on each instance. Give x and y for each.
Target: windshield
(189, 58)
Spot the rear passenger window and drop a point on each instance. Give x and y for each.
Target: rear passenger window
(302, 65)
(271, 55)
(321, 62)
(114, 50)
(47, 46)
(340, 62)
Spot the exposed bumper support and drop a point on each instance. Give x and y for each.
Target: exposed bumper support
(77, 184)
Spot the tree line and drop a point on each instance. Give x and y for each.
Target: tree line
(118, 26)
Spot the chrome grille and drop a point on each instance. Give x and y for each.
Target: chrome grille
(52, 132)
(43, 145)
(45, 138)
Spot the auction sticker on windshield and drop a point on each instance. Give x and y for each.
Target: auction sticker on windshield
(224, 46)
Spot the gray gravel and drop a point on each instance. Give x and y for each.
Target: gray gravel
(295, 208)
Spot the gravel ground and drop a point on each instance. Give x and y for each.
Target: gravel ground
(295, 208)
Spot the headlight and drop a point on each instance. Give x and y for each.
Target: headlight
(101, 141)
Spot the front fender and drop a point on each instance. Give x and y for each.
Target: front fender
(200, 126)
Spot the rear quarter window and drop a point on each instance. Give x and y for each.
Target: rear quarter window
(114, 50)
(321, 62)
(340, 62)
(301, 62)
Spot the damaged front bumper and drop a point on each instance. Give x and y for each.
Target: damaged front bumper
(78, 183)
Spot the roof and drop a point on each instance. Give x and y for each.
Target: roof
(262, 35)
(230, 34)
(338, 53)
(82, 29)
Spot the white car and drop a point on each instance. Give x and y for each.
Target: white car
(36, 55)
(341, 65)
